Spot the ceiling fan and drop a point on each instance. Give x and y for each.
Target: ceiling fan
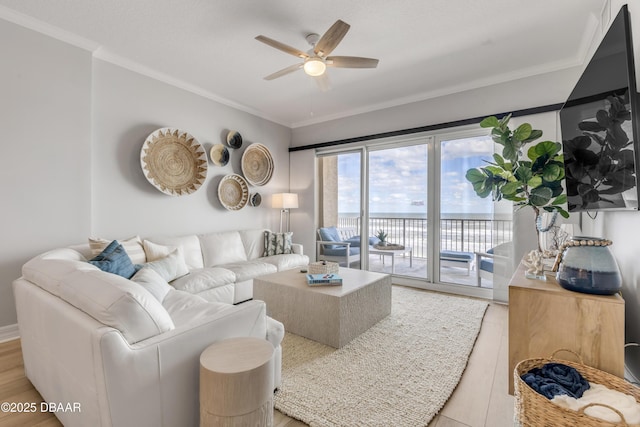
(317, 59)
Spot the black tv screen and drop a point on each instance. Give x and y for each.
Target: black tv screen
(599, 125)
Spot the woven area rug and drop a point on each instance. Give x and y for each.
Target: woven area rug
(398, 373)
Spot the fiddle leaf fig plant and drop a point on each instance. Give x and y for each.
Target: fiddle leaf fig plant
(534, 180)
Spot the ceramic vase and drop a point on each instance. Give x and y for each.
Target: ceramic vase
(588, 266)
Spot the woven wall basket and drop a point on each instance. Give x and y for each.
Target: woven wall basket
(534, 410)
(173, 161)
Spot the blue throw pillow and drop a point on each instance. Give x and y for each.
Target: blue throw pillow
(355, 241)
(114, 259)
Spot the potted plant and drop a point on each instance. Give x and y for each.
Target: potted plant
(534, 180)
(382, 236)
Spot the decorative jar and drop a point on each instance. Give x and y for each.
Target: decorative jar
(587, 265)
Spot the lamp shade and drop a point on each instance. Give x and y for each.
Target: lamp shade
(285, 201)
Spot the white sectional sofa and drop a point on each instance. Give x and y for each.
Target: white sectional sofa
(222, 265)
(127, 351)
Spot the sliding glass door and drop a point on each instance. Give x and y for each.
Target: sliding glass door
(398, 195)
(341, 195)
(413, 192)
(468, 223)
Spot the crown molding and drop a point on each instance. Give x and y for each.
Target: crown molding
(47, 29)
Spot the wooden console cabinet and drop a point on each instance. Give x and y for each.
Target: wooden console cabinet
(544, 317)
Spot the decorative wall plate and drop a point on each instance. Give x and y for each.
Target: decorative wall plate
(233, 192)
(219, 155)
(234, 139)
(255, 199)
(257, 164)
(173, 161)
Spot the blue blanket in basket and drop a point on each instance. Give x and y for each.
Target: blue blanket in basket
(554, 379)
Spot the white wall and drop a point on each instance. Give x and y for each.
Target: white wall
(127, 107)
(45, 105)
(74, 127)
(535, 91)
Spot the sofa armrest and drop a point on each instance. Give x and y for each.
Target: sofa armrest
(297, 248)
(168, 367)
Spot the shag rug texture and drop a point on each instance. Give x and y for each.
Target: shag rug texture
(398, 373)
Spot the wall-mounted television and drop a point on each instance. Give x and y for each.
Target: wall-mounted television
(599, 125)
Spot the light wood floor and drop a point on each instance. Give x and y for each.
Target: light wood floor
(480, 399)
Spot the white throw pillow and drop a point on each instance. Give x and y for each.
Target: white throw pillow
(190, 245)
(170, 267)
(153, 282)
(155, 252)
(133, 247)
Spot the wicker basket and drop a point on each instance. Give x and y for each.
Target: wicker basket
(534, 410)
(324, 267)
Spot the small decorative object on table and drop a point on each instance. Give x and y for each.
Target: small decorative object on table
(534, 261)
(324, 267)
(585, 264)
(380, 234)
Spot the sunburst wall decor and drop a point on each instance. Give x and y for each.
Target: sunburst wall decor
(173, 161)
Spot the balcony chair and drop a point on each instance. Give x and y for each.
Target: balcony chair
(485, 261)
(332, 247)
(341, 245)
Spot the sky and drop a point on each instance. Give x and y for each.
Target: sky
(398, 178)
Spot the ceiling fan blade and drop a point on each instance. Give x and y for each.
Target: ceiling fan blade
(283, 47)
(351, 62)
(331, 38)
(323, 82)
(283, 72)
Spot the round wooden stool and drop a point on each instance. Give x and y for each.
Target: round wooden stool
(236, 383)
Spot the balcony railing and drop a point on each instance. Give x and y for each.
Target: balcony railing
(462, 235)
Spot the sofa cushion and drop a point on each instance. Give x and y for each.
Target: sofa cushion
(287, 262)
(249, 269)
(114, 259)
(170, 267)
(132, 246)
(190, 246)
(253, 241)
(117, 302)
(152, 282)
(277, 243)
(156, 252)
(185, 308)
(204, 278)
(222, 248)
(341, 251)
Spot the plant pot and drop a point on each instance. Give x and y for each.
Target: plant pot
(588, 266)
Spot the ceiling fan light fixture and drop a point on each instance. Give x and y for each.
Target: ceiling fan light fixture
(314, 67)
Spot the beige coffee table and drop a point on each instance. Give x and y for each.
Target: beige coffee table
(332, 315)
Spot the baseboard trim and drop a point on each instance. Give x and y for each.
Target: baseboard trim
(9, 332)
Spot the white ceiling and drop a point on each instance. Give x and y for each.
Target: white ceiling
(426, 48)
